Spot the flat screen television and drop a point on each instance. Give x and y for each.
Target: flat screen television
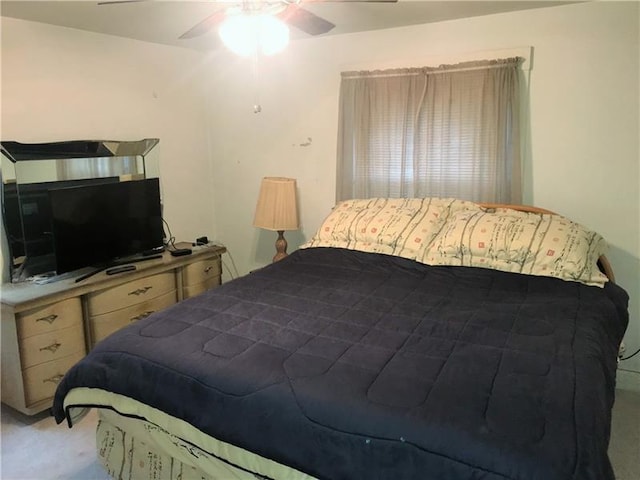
(27, 217)
(96, 225)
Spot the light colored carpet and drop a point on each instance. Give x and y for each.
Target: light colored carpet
(35, 448)
(624, 447)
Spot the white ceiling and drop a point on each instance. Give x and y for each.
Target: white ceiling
(164, 21)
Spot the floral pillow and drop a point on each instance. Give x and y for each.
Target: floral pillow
(512, 241)
(403, 227)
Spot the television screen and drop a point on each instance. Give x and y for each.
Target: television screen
(35, 212)
(98, 224)
(27, 216)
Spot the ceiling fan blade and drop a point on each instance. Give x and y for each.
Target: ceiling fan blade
(205, 25)
(305, 20)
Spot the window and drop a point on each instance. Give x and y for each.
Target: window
(450, 131)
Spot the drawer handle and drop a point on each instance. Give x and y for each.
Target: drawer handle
(141, 316)
(49, 318)
(140, 291)
(55, 379)
(52, 348)
(208, 269)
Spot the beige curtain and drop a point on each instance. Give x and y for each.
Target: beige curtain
(450, 131)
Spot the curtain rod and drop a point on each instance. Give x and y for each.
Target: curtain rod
(398, 72)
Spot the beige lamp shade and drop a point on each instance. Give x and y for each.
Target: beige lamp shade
(276, 209)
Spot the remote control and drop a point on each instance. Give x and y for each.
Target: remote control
(178, 252)
(121, 269)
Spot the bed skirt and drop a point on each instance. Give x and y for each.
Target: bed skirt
(140, 455)
(134, 442)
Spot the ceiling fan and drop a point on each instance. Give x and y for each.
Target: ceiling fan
(288, 11)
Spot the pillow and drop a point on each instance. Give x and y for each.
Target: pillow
(513, 241)
(394, 226)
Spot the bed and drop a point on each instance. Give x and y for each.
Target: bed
(408, 339)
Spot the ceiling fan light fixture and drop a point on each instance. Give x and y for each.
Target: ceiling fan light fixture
(247, 34)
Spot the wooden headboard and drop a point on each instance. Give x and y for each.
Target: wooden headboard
(603, 262)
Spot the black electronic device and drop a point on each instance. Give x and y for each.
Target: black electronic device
(179, 252)
(27, 215)
(117, 263)
(201, 241)
(120, 269)
(96, 225)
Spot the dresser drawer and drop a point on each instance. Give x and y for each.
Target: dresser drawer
(105, 324)
(131, 293)
(40, 381)
(189, 291)
(49, 318)
(51, 346)
(201, 271)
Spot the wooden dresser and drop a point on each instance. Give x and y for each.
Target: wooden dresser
(47, 328)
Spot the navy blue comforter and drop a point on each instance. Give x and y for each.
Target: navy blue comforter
(351, 365)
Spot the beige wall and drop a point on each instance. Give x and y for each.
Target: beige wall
(582, 158)
(65, 84)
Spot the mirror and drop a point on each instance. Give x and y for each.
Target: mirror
(29, 171)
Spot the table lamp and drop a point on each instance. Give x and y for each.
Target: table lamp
(277, 210)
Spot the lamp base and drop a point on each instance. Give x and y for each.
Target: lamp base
(281, 247)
